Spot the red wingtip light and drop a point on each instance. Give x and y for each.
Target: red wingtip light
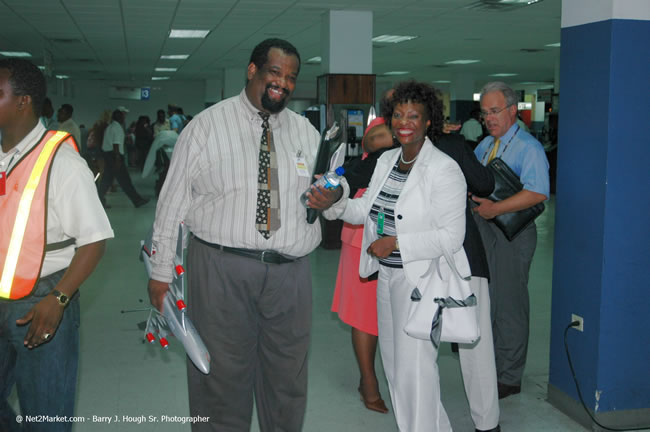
(164, 343)
(180, 304)
(150, 337)
(180, 270)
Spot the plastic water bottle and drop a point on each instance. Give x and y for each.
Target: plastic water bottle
(330, 180)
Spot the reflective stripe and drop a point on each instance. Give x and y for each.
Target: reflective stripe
(22, 216)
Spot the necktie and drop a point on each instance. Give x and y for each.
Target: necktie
(493, 153)
(267, 219)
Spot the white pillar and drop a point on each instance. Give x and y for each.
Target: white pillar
(346, 38)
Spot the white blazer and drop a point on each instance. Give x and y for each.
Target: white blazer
(429, 213)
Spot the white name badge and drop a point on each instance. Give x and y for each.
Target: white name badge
(301, 166)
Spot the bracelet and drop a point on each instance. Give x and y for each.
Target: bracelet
(396, 244)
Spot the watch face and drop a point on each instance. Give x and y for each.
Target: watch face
(63, 299)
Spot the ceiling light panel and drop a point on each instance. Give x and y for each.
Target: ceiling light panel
(189, 34)
(15, 54)
(175, 57)
(392, 38)
(462, 62)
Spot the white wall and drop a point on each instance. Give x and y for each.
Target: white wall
(90, 98)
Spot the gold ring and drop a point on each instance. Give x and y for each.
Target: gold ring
(46, 336)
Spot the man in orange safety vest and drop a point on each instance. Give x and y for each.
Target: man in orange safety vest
(53, 231)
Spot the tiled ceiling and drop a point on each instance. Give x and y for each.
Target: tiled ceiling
(123, 39)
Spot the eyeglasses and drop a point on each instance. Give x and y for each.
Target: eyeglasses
(493, 111)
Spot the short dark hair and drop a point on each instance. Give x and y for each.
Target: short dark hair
(417, 92)
(26, 80)
(68, 109)
(260, 54)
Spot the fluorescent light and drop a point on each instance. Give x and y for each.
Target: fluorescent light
(159, 78)
(15, 54)
(554, 45)
(189, 34)
(519, 1)
(462, 62)
(504, 74)
(397, 73)
(392, 38)
(476, 96)
(316, 59)
(161, 69)
(441, 82)
(175, 57)
(63, 76)
(42, 68)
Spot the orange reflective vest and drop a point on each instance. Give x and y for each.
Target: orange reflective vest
(23, 217)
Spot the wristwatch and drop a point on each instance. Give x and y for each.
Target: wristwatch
(396, 244)
(62, 298)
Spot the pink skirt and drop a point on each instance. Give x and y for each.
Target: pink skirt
(355, 298)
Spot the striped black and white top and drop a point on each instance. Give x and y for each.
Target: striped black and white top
(385, 203)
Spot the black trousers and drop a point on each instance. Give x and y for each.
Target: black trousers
(111, 171)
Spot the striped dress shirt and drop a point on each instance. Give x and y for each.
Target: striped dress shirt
(212, 183)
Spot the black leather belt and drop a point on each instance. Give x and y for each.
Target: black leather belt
(265, 256)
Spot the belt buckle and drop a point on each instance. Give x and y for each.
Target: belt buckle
(262, 256)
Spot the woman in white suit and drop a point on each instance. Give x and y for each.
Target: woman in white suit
(413, 208)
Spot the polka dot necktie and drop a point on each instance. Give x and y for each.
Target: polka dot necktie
(267, 219)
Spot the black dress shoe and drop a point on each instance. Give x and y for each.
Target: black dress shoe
(506, 390)
(496, 429)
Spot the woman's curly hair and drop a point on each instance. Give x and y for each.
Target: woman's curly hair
(416, 92)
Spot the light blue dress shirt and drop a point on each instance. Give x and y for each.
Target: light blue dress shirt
(523, 154)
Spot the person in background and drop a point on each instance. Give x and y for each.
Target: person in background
(472, 129)
(143, 139)
(522, 124)
(236, 176)
(95, 157)
(83, 145)
(161, 123)
(413, 208)
(509, 261)
(355, 298)
(175, 119)
(476, 360)
(114, 165)
(67, 124)
(47, 114)
(44, 263)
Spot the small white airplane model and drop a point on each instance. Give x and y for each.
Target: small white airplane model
(173, 317)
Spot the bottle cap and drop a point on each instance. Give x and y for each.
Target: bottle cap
(340, 171)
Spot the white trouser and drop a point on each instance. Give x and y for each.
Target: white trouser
(410, 364)
(478, 366)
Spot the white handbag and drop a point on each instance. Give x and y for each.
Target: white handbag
(444, 308)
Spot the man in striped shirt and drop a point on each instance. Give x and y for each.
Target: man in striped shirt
(235, 178)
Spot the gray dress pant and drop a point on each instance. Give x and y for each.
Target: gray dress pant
(255, 320)
(509, 263)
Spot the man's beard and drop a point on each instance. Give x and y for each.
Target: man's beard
(272, 106)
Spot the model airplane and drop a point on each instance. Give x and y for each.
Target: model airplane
(174, 315)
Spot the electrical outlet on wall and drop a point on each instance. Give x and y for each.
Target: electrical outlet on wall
(579, 327)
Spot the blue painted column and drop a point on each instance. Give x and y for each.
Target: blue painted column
(602, 232)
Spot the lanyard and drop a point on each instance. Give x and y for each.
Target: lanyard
(504, 147)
